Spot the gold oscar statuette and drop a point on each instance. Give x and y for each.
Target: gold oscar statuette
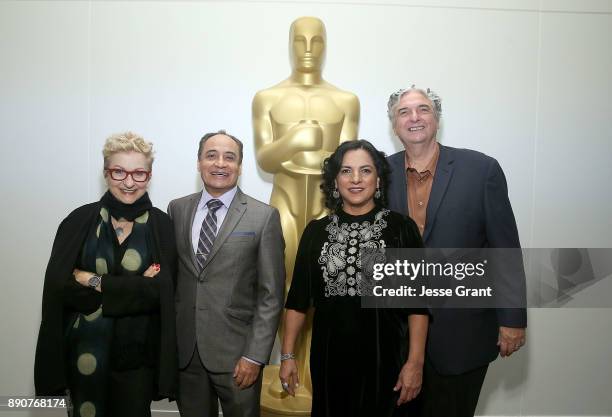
(297, 124)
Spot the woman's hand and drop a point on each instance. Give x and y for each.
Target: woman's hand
(288, 375)
(409, 382)
(82, 277)
(151, 271)
(294, 320)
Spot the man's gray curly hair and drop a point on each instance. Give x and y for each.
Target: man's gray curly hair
(429, 93)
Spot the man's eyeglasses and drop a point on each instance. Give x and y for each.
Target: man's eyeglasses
(119, 174)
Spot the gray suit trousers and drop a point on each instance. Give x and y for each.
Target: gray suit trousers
(200, 392)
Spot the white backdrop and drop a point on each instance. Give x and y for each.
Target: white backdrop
(527, 82)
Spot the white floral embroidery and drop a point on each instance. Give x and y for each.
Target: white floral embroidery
(344, 239)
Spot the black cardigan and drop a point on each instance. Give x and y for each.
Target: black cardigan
(121, 296)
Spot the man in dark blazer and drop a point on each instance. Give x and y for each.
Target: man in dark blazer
(230, 286)
(459, 199)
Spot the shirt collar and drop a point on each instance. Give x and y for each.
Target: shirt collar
(225, 198)
(431, 165)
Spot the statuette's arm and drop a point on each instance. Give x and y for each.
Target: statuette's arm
(306, 135)
(350, 127)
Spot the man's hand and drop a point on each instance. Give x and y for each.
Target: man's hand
(510, 340)
(409, 382)
(246, 373)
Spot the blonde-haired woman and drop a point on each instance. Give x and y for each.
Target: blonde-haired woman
(107, 335)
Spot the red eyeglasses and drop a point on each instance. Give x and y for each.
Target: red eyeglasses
(119, 174)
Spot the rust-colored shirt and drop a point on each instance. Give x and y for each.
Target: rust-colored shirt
(419, 188)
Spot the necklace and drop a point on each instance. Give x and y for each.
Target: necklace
(120, 226)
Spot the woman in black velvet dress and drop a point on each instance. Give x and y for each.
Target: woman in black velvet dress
(363, 362)
(107, 335)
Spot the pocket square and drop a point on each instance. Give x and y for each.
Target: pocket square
(240, 233)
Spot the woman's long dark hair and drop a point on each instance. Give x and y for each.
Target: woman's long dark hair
(332, 165)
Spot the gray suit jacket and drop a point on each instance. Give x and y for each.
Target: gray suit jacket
(232, 307)
(468, 208)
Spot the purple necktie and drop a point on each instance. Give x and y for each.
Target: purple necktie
(208, 232)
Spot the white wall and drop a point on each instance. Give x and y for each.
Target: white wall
(524, 81)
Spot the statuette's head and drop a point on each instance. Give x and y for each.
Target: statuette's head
(307, 39)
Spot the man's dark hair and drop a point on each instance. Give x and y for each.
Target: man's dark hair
(220, 132)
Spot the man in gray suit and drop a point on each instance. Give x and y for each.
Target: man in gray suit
(458, 199)
(230, 286)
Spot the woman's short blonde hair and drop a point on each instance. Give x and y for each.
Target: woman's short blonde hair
(126, 142)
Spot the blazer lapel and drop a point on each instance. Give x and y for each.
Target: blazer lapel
(234, 213)
(444, 172)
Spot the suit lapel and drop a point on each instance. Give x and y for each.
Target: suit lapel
(444, 172)
(191, 209)
(234, 213)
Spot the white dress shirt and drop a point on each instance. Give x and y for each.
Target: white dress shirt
(202, 211)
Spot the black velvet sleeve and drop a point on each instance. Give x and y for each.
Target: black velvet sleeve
(300, 295)
(410, 234)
